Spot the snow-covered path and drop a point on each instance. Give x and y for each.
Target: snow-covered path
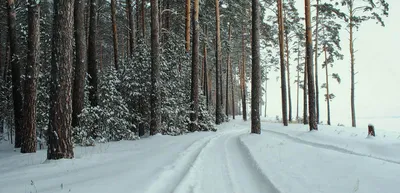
(281, 160)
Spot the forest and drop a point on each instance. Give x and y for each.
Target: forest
(81, 72)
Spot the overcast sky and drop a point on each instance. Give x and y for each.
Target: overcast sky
(376, 61)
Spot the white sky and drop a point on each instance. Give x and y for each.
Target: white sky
(377, 95)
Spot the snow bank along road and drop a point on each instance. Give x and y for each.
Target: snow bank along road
(227, 161)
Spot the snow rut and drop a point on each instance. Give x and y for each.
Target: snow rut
(329, 147)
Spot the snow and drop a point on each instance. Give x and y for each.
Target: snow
(281, 159)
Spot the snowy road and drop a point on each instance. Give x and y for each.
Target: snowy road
(281, 160)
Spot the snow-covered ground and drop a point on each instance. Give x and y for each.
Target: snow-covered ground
(281, 159)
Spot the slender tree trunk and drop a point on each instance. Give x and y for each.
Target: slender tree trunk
(288, 76)
(353, 106)
(155, 70)
(327, 88)
(195, 65)
(143, 19)
(228, 61)
(115, 34)
(60, 131)
(233, 91)
(28, 144)
(316, 63)
(266, 91)
(206, 90)
(16, 73)
(243, 78)
(218, 111)
(310, 72)
(298, 82)
(282, 60)
(132, 29)
(80, 62)
(92, 54)
(187, 27)
(256, 70)
(305, 97)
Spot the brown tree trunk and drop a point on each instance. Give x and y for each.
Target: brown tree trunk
(310, 72)
(92, 54)
(327, 88)
(60, 132)
(80, 62)
(206, 87)
(243, 77)
(218, 108)
(256, 70)
(316, 63)
(305, 96)
(115, 34)
(143, 15)
(282, 59)
(195, 66)
(232, 91)
(132, 29)
(16, 73)
(155, 122)
(298, 82)
(187, 26)
(353, 106)
(228, 61)
(288, 76)
(28, 144)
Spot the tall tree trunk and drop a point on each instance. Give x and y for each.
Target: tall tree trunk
(282, 60)
(233, 91)
(266, 91)
(316, 63)
(80, 62)
(28, 144)
(155, 71)
(305, 96)
(298, 81)
(353, 106)
(243, 77)
(115, 34)
(195, 66)
(288, 76)
(187, 26)
(310, 72)
(92, 54)
(16, 73)
(256, 70)
(205, 88)
(327, 88)
(132, 29)
(60, 131)
(228, 61)
(218, 110)
(143, 15)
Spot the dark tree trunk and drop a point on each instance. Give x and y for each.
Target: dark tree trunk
(305, 98)
(132, 29)
(316, 63)
(59, 132)
(28, 144)
(256, 71)
(243, 78)
(143, 15)
(195, 66)
(282, 60)
(310, 72)
(80, 62)
(155, 71)
(187, 26)
(228, 61)
(205, 88)
(115, 35)
(298, 82)
(233, 91)
(92, 54)
(327, 89)
(218, 110)
(16, 73)
(288, 76)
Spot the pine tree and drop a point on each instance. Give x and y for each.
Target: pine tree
(256, 70)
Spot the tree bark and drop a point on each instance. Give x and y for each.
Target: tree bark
(327, 88)
(256, 71)
(59, 132)
(310, 73)
(316, 63)
(228, 61)
(243, 77)
(233, 91)
(288, 76)
(16, 73)
(206, 90)
(218, 111)
(155, 70)
(143, 15)
(187, 26)
(282, 60)
(115, 34)
(132, 29)
(28, 144)
(92, 54)
(195, 66)
(353, 106)
(80, 62)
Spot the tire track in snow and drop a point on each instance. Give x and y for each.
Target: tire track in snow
(329, 147)
(173, 174)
